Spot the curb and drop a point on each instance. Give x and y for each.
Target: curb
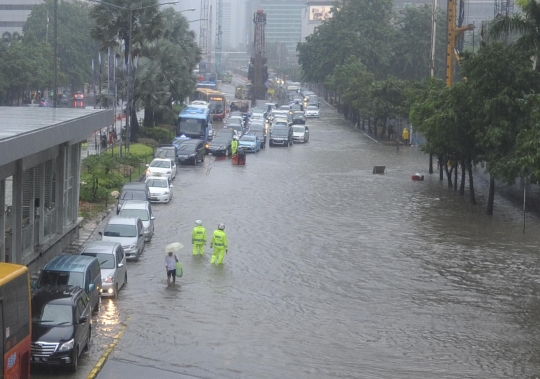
(105, 356)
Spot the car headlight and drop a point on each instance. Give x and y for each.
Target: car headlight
(108, 279)
(168, 172)
(148, 172)
(67, 345)
(166, 192)
(132, 246)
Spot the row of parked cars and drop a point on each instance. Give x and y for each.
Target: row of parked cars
(69, 287)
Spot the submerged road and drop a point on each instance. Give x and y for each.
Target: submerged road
(332, 272)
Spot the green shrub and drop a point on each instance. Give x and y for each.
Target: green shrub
(137, 149)
(162, 135)
(149, 142)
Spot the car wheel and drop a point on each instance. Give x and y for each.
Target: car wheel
(125, 278)
(195, 161)
(115, 293)
(96, 307)
(74, 361)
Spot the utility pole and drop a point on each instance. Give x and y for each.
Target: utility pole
(55, 97)
(219, 17)
(434, 12)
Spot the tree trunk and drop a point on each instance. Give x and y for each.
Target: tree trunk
(455, 168)
(471, 183)
(134, 124)
(448, 175)
(463, 172)
(441, 175)
(491, 196)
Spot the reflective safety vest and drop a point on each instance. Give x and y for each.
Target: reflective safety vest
(199, 235)
(219, 239)
(234, 146)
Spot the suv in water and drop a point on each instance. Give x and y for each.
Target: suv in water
(61, 325)
(281, 134)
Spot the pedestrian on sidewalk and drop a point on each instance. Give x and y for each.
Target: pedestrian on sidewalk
(219, 243)
(405, 136)
(170, 266)
(198, 238)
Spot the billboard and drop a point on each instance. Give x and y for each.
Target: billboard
(319, 12)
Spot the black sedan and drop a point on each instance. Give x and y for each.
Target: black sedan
(298, 117)
(191, 151)
(220, 145)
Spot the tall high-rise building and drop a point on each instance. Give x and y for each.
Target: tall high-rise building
(13, 14)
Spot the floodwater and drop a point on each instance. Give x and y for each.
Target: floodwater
(332, 272)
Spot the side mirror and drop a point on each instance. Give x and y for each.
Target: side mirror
(141, 234)
(147, 165)
(100, 233)
(83, 319)
(33, 284)
(120, 265)
(171, 186)
(152, 217)
(91, 287)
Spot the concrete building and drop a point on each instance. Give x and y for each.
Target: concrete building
(313, 15)
(40, 157)
(14, 13)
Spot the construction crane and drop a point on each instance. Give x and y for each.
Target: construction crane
(455, 32)
(209, 36)
(203, 37)
(258, 69)
(503, 7)
(219, 32)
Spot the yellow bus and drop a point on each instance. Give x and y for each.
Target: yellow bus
(15, 321)
(216, 99)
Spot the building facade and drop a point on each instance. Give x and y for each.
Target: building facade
(14, 13)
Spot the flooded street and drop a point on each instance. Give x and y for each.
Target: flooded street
(332, 272)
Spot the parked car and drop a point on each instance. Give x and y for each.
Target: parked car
(127, 231)
(300, 133)
(142, 210)
(160, 189)
(298, 117)
(312, 111)
(225, 133)
(250, 142)
(281, 135)
(112, 262)
(67, 269)
(133, 191)
(220, 145)
(61, 326)
(162, 167)
(191, 151)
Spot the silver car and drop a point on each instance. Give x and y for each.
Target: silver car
(112, 262)
(143, 210)
(127, 231)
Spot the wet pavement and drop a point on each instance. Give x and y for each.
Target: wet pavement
(332, 272)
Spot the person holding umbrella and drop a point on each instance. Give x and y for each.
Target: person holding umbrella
(171, 261)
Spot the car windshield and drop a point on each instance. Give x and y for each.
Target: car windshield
(312, 108)
(298, 115)
(284, 107)
(221, 140)
(133, 195)
(248, 138)
(257, 127)
(187, 147)
(115, 230)
(159, 183)
(55, 278)
(105, 260)
(161, 164)
(280, 132)
(53, 315)
(165, 153)
(140, 213)
(234, 127)
(257, 110)
(298, 129)
(282, 124)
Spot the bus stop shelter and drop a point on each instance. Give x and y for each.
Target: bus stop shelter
(40, 158)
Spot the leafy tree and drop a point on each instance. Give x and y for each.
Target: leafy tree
(387, 97)
(526, 24)
(498, 93)
(75, 46)
(412, 45)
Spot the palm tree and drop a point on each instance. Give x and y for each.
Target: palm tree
(526, 25)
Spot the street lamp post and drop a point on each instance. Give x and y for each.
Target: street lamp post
(128, 51)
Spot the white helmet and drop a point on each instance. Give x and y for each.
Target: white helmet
(221, 227)
(198, 222)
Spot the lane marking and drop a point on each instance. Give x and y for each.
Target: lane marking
(105, 356)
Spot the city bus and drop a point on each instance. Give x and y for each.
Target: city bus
(15, 317)
(194, 123)
(208, 85)
(216, 99)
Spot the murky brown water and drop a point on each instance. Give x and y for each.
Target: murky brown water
(334, 272)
